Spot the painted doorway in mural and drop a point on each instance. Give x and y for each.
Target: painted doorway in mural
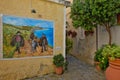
(26, 37)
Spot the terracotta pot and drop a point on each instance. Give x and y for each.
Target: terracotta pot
(113, 71)
(97, 66)
(59, 70)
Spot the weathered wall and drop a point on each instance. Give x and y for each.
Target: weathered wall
(24, 68)
(103, 35)
(16, 69)
(82, 48)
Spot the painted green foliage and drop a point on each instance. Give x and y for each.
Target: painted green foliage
(90, 13)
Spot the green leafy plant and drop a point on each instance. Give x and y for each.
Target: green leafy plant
(69, 45)
(66, 65)
(103, 61)
(111, 51)
(58, 60)
(98, 55)
(90, 13)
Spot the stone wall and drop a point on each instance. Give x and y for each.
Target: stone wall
(84, 49)
(15, 69)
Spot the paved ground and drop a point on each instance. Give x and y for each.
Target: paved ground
(77, 70)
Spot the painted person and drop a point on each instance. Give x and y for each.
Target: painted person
(34, 44)
(44, 43)
(18, 41)
(32, 36)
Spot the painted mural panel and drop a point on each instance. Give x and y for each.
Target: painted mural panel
(26, 37)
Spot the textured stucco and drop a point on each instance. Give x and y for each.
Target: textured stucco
(24, 68)
(103, 37)
(15, 69)
(84, 49)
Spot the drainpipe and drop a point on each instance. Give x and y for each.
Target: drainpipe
(66, 4)
(64, 33)
(97, 38)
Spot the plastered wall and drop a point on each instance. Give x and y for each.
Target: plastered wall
(15, 69)
(103, 37)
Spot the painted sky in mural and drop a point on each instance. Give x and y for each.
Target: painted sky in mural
(26, 37)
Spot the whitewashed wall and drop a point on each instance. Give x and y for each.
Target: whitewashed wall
(103, 37)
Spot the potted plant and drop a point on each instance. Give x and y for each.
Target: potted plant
(113, 70)
(101, 62)
(112, 53)
(104, 63)
(97, 57)
(58, 61)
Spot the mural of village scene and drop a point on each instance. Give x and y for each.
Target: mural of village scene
(26, 37)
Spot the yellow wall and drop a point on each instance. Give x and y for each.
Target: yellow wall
(15, 69)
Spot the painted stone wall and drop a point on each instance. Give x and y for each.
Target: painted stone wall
(15, 69)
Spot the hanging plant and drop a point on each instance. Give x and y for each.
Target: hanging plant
(69, 32)
(118, 18)
(90, 32)
(74, 34)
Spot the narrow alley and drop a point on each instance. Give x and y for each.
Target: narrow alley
(77, 70)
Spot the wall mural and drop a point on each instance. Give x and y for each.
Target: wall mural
(26, 37)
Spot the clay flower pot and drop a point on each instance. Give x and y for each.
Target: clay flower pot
(59, 70)
(97, 66)
(113, 71)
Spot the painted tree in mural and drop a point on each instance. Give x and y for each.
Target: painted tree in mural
(90, 13)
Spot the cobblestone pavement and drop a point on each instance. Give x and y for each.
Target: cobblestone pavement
(77, 70)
